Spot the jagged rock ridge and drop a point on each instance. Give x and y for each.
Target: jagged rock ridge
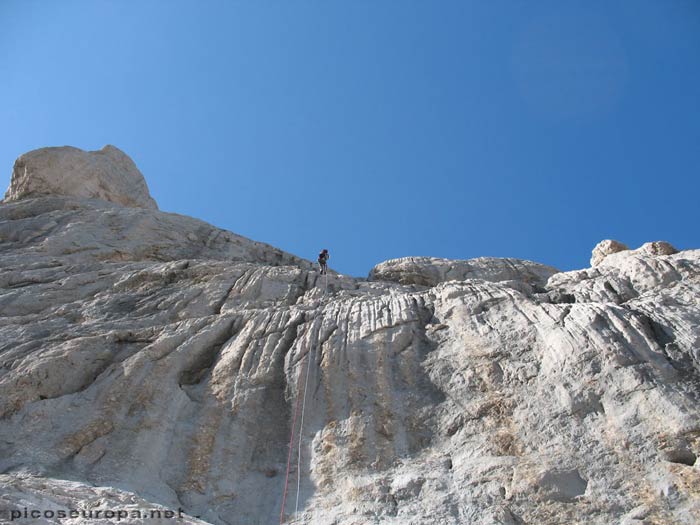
(150, 354)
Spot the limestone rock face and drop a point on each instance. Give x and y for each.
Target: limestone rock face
(605, 248)
(657, 248)
(146, 369)
(430, 271)
(80, 230)
(107, 174)
(88, 504)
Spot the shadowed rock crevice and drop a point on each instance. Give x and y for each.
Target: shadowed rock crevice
(202, 364)
(682, 456)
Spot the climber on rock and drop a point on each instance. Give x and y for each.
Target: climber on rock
(322, 261)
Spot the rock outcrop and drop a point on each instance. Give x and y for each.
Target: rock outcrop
(108, 174)
(430, 271)
(142, 368)
(605, 248)
(609, 247)
(657, 248)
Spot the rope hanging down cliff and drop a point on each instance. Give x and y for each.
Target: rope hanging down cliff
(322, 261)
(301, 431)
(299, 441)
(289, 457)
(301, 427)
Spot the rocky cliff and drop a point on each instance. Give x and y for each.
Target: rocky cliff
(151, 360)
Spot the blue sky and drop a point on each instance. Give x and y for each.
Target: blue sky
(378, 129)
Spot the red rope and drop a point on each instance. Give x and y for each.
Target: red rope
(289, 456)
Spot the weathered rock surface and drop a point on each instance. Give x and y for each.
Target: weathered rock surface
(108, 174)
(148, 359)
(609, 247)
(430, 271)
(657, 248)
(605, 248)
(75, 503)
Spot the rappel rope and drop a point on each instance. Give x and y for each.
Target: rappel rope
(289, 459)
(301, 430)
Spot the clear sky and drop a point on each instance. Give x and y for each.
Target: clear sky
(378, 129)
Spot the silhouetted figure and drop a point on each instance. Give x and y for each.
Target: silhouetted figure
(323, 260)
